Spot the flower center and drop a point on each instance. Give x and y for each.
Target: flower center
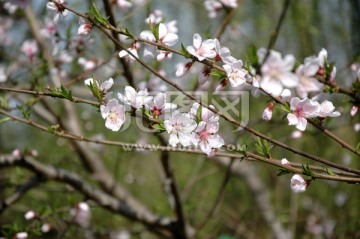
(113, 116)
(203, 135)
(299, 112)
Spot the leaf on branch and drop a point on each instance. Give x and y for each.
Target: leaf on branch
(159, 127)
(328, 171)
(3, 103)
(63, 93)
(94, 12)
(307, 171)
(283, 171)
(285, 107)
(4, 119)
(25, 112)
(185, 52)
(126, 32)
(358, 147)
(199, 114)
(263, 148)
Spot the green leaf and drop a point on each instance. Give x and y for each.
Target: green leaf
(185, 52)
(94, 12)
(285, 107)
(3, 103)
(4, 119)
(94, 88)
(126, 32)
(307, 171)
(199, 114)
(155, 30)
(66, 94)
(263, 148)
(159, 127)
(25, 112)
(328, 171)
(283, 171)
(358, 147)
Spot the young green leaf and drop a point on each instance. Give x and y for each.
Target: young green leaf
(283, 171)
(328, 171)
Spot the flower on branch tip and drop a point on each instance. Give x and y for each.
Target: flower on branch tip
(302, 109)
(128, 57)
(30, 215)
(133, 98)
(114, 114)
(29, 48)
(235, 73)
(212, 6)
(326, 109)
(59, 10)
(81, 214)
(353, 110)
(180, 127)
(183, 69)
(267, 114)
(206, 114)
(276, 72)
(202, 49)
(298, 184)
(88, 64)
(123, 4)
(229, 3)
(104, 87)
(84, 28)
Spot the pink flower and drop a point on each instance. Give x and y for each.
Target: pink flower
(235, 73)
(104, 87)
(276, 72)
(326, 109)
(223, 53)
(302, 109)
(114, 114)
(88, 64)
(29, 48)
(133, 98)
(202, 49)
(298, 184)
(213, 6)
(155, 17)
(209, 141)
(353, 110)
(166, 37)
(46, 227)
(180, 126)
(322, 60)
(158, 105)
(59, 10)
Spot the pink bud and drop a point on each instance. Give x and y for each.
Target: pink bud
(46, 227)
(284, 161)
(21, 235)
(16, 153)
(353, 110)
(298, 184)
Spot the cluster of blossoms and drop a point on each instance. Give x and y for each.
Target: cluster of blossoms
(210, 49)
(277, 73)
(215, 6)
(198, 127)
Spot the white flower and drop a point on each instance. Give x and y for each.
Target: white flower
(81, 214)
(326, 109)
(212, 6)
(302, 109)
(128, 57)
(180, 127)
(133, 98)
(158, 105)
(284, 161)
(298, 184)
(210, 142)
(154, 18)
(46, 227)
(88, 64)
(123, 4)
(49, 30)
(104, 87)
(58, 9)
(3, 75)
(21, 235)
(306, 73)
(229, 3)
(84, 28)
(30, 215)
(235, 73)
(223, 53)
(114, 114)
(267, 114)
(206, 114)
(322, 60)
(166, 37)
(276, 72)
(183, 69)
(202, 49)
